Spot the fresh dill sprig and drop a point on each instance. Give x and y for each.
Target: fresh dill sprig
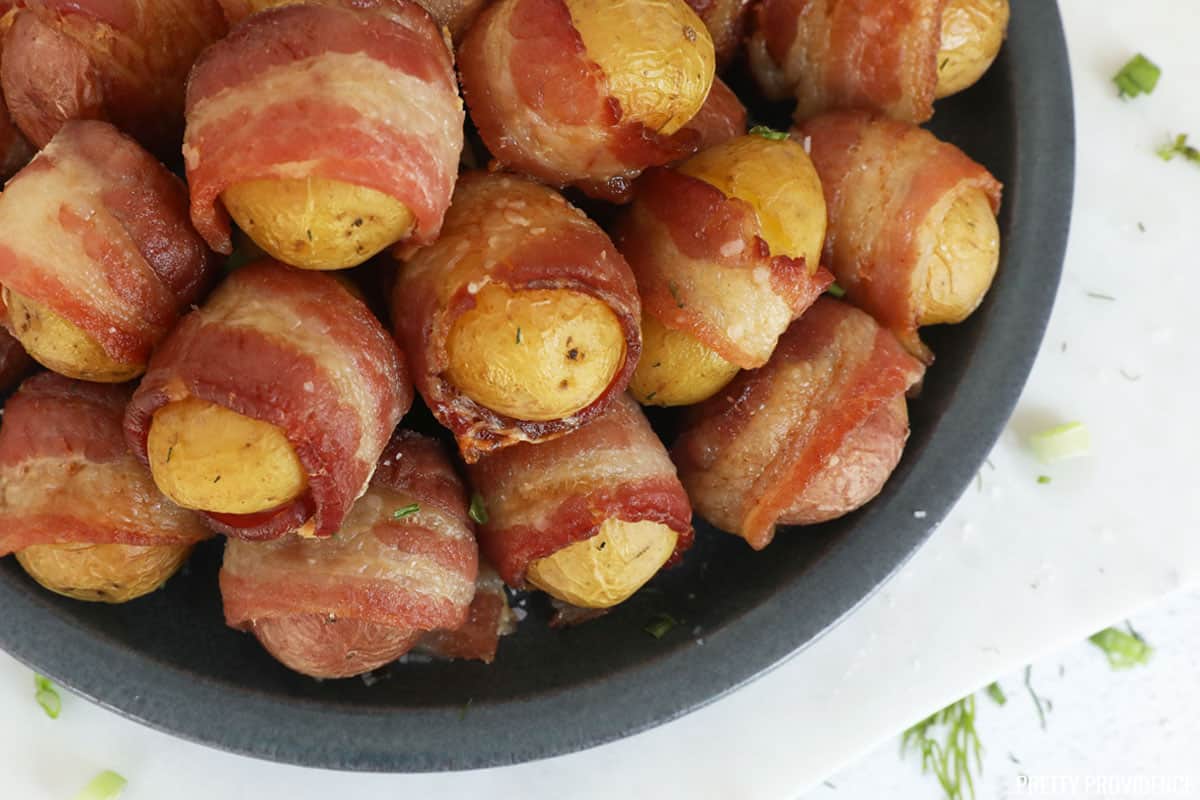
(948, 745)
(1037, 700)
(1124, 650)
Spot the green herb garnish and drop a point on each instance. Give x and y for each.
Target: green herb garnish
(1139, 76)
(768, 133)
(408, 510)
(1124, 650)
(835, 291)
(47, 696)
(948, 745)
(660, 625)
(1062, 441)
(1043, 479)
(996, 693)
(1037, 701)
(108, 785)
(478, 511)
(1179, 147)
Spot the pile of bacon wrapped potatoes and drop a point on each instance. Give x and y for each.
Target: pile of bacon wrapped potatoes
(261, 396)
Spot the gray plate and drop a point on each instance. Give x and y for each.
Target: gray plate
(168, 660)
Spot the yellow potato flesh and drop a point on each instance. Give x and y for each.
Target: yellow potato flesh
(606, 569)
(61, 346)
(204, 456)
(778, 180)
(657, 55)
(535, 355)
(962, 256)
(102, 573)
(316, 223)
(676, 369)
(972, 33)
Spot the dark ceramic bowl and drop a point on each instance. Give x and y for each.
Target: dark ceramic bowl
(169, 661)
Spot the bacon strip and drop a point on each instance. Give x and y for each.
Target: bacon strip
(721, 118)
(882, 181)
(124, 61)
(879, 55)
(542, 498)
(506, 230)
(358, 91)
(454, 15)
(703, 267)
(97, 230)
(543, 108)
(297, 350)
(66, 475)
(489, 618)
(748, 455)
(726, 21)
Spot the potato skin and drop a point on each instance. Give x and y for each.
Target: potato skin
(535, 355)
(102, 573)
(323, 646)
(962, 247)
(608, 568)
(317, 223)
(204, 456)
(676, 369)
(972, 34)
(61, 346)
(657, 55)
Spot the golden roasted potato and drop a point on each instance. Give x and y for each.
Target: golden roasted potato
(535, 355)
(102, 573)
(317, 223)
(61, 346)
(606, 569)
(657, 55)
(323, 646)
(204, 456)
(675, 368)
(972, 33)
(963, 251)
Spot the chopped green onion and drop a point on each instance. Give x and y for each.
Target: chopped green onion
(1043, 479)
(768, 133)
(660, 625)
(836, 291)
(47, 696)
(996, 693)
(1123, 650)
(1179, 147)
(108, 785)
(1061, 442)
(401, 513)
(1139, 76)
(478, 510)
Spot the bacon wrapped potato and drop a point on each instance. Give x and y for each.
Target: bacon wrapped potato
(810, 436)
(726, 250)
(913, 236)
(890, 56)
(521, 320)
(81, 514)
(328, 131)
(453, 15)
(588, 517)
(587, 92)
(267, 408)
(97, 256)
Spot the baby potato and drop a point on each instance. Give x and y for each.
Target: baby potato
(972, 33)
(608, 568)
(204, 456)
(675, 368)
(317, 223)
(102, 573)
(657, 55)
(61, 346)
(325, 646)
(962, 252)
(535, 355)
(778, 180)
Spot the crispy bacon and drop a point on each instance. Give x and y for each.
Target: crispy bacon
(542, 498)
(488, 619)
(767, 445)
(721, 118)
(298, 350)
(542, 107)
(879, 55)
(510, 231)
(702, 266)
(882, 180)
(726, 21)
(124, 61)
(66, 475)
(96, 230)
(359, 91)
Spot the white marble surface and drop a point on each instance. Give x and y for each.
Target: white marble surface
(1019, 570)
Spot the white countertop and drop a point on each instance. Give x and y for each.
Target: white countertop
(1017, 571)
